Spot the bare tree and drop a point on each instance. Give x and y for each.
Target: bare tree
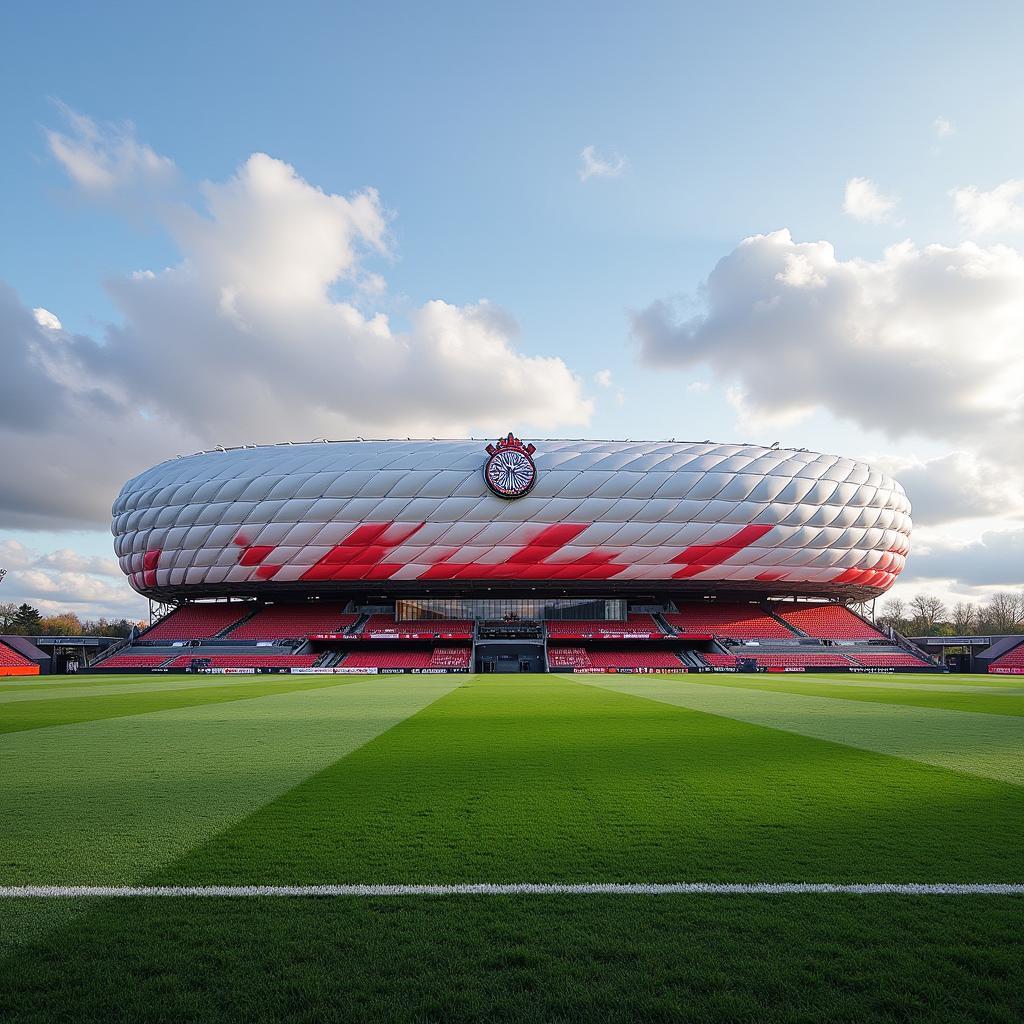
(964, 617)
(1004, 612)
(894, 614)
(8, 610)
(928, 611)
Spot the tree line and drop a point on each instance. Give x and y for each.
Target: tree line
(24, 620)
(927, 615)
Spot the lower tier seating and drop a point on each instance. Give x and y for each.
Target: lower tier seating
(814, 659)
(732, 619)
(888, 659)
(568, 657)
(450, 657)
(249, 660)
(134, 661)
(611, 657)
(197, 621)
(601, 657)
(388, 657)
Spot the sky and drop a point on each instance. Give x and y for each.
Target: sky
(228, 223)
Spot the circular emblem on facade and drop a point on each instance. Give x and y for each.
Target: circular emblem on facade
(509, 470)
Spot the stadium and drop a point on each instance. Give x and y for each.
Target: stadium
(512, 556)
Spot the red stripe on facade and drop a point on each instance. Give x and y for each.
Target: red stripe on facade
(256, 554)
(701, 557)
(362, 553)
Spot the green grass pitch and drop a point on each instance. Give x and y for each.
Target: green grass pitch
(143, 780)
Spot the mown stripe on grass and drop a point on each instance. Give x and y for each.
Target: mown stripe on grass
(522, 889)
(152, 684)
(25, 715)
(988, 745)
(511, 779)
(989, 700)
(115, 799)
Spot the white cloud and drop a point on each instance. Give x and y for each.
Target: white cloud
(998, 211)
(603, 378)
(102, 158)
(594, 165)
(996, 559)
(943, 127)
(255, 335)
(956, 486)
(46, 319)
(65, 580)
(918, 342)
(799, 272)
(864, 201)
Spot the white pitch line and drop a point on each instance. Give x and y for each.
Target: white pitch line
(528, 889)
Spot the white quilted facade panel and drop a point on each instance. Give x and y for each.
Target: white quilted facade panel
(352, 513)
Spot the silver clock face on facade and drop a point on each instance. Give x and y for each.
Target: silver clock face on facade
(510, 473)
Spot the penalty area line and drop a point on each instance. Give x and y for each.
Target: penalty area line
(525, 889)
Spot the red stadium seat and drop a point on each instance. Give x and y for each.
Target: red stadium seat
(888, 659)
(292, 621)
(384, 627)
(450, 657)
(134, 661)
(388, 657)
(197, 621)
(731, 619)
(10, 658)
(811, 660)
(603, 657)
(568, 657)
(1011, 660)
(248, 660)
(635, 627)
(826, 621)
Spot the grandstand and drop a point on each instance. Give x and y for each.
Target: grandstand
(392, 556)
(1010, 663)
(13, 663)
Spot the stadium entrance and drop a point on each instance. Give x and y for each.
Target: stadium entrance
(510, 645)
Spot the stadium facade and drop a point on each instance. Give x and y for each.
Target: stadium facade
(674, 544)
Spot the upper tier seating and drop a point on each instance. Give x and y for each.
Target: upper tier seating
(292, 621)
(248, 660)
(385, 657)
(1011, 659)
(450, 657)
(826, 621)
(810, 660)
(197, 621)
(727, 618)
(568, 657)
(10, 658)
(572, 629)
(620, 657)
(887, 659)
(134, 661)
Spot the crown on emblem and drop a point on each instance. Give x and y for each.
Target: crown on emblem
(511, 442)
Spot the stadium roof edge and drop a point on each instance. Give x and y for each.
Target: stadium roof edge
(593, 440)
